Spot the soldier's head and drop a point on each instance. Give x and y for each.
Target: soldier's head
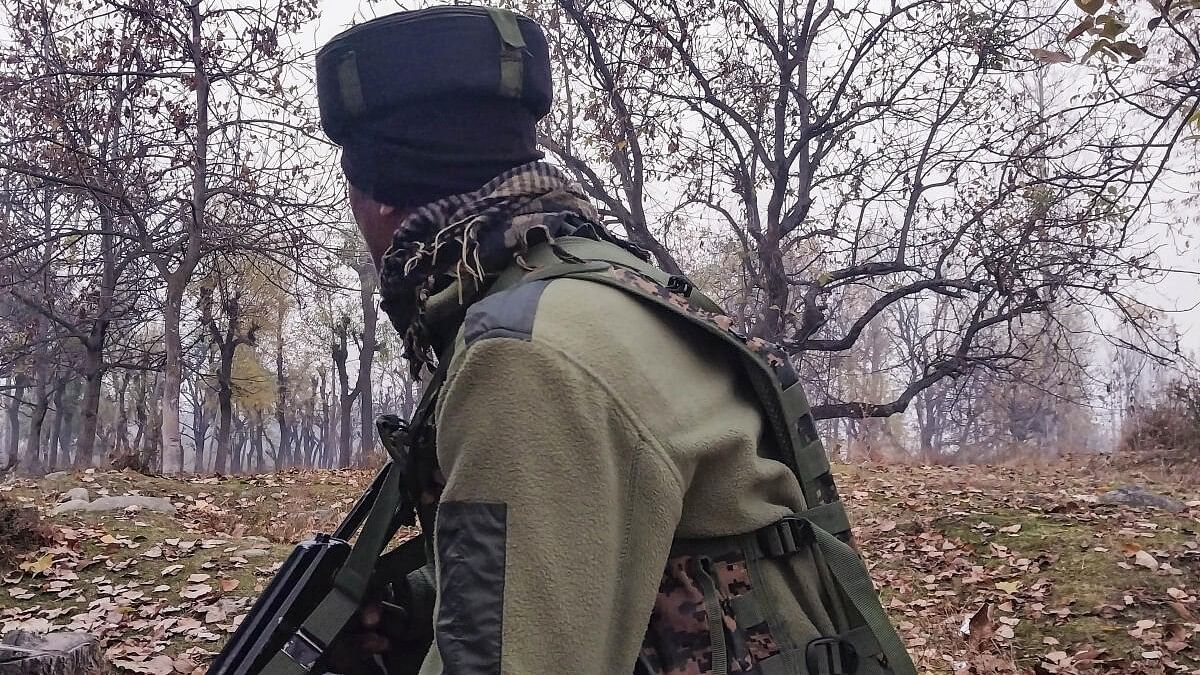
(431, 103)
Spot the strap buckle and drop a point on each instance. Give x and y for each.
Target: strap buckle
(304, 649)
(680, 285)
(785, 536)
(831, 656)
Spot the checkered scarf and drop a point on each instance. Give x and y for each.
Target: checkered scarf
(473, 235)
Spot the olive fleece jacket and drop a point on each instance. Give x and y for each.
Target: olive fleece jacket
(577, 440)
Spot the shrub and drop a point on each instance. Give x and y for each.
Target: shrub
(1169, 430)
(21, 531)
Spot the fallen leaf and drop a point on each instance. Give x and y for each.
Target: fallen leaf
(1009, 587)
(197, 591)
(978, 626)
(40, 565)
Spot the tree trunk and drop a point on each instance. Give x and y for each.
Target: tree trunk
(368, 281)
(172, 370)
(14, 421)
(256, 444)
(281, 395)
(89, 408)
(56, 428)
(41, 403)
(199, 427)
(343, 394)
(225, 406)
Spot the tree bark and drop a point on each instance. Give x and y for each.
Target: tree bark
(14, 421)
(225, 407)
(89, 408)
(56, 428)
(283, 455)
(199, 427)
(172, 370)
(41, 403)
(368, 281)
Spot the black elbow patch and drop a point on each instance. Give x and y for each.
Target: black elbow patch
(470, 621)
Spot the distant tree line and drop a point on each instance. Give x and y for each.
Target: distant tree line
(939, 210)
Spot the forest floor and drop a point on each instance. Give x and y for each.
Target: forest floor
(985, 569)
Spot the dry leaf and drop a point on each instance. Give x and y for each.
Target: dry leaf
(1008, 586)
(978, 626)
(197, 591)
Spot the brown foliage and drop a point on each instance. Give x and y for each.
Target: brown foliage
(21, 530)
(1168, 431)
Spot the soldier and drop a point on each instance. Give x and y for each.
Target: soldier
(616, 480)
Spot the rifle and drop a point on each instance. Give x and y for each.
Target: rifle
(293, 625)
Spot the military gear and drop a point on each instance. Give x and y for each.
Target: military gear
(434, 102)
(599, 418)
(471, 236)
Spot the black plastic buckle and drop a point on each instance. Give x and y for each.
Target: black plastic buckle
(304, 649)
(680, 285)
(785, 536)
(831, 656)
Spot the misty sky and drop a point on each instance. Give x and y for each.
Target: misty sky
(1178, 292)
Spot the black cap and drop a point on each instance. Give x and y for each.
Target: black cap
(436, 101)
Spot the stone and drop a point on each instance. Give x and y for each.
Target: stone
(23, 653)
(76, 495)
(68, 507)
(159, 504)
(253, 553)
(56, 475)
(1140, 497)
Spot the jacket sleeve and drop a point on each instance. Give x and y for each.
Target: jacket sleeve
(556, 519)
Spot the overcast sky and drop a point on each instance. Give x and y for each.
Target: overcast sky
(1178, 292)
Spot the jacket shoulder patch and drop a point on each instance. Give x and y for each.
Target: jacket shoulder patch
(509, 313)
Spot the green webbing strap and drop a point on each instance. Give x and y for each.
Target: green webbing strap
(350, 84)
(353, 579)
(795, 403)
(591, 249)
(830, 517)
(851, 575)
(512, 52)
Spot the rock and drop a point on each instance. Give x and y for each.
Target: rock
(73, 505)
(160, 504)
(77, 494)
(23, 653)
(1138, 496)
(253, 553)
(56, 474)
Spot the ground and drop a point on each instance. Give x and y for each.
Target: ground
(984, 569)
